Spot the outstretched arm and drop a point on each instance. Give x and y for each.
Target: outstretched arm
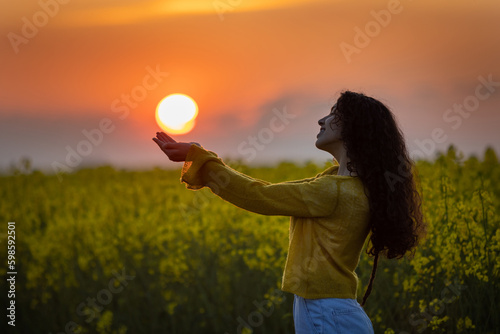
(177, 151)
(312, 197)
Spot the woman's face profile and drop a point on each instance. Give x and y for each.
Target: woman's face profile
(330, 132)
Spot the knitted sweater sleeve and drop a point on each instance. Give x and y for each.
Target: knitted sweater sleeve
(314, 197)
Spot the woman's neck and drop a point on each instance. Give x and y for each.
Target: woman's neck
(340, 155)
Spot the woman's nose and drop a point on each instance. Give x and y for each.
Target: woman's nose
(321, 121)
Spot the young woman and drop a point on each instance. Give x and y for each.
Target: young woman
(370, 191)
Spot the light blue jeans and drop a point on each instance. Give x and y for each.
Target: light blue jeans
(330, 315)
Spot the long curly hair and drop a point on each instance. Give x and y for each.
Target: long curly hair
(377, 152)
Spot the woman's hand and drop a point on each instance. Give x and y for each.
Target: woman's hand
(174, 150)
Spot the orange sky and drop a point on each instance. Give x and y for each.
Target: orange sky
(239, 66)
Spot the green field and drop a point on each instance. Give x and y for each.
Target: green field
(111, 251)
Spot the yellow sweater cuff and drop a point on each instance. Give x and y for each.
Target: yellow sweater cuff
(191, 171)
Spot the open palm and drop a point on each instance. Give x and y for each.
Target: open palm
(176, 151)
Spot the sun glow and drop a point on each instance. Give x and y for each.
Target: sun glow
(176, 114)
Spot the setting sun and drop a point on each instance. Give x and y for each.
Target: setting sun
(176, 114)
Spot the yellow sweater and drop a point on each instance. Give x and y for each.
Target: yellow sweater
(328, 225)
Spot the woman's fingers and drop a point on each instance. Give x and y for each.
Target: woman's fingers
(163, 136)
(171, 149)
(175, 151)
(160, 137)
(159, 142)
(162, 144)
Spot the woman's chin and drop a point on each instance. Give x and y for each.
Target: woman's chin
(318, 144)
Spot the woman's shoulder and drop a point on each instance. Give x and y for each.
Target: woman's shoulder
(332, 170)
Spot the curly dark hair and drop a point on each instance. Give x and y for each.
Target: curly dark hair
(377, 152)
